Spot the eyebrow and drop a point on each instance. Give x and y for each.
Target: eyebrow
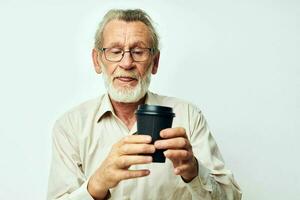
(135, 44)
(139, 43)
(115, 44)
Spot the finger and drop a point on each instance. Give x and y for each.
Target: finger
(138, 139)
(175, 162)
(124, 162)
(178, 154)
(128, 174)
(130, 149)
(182, 169)
(173, 132)
(174, 143)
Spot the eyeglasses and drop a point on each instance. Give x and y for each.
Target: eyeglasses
(117, 54)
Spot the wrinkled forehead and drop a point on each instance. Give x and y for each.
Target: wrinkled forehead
(118, 33)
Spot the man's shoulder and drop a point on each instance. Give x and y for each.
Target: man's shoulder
(82, 110)
(174, 102)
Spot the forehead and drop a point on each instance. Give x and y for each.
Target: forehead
(117, 32)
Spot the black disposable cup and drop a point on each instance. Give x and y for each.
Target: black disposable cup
(151, 119)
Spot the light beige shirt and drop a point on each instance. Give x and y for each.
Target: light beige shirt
(83, 137)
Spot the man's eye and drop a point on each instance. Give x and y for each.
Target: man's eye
(116, 51)
(137, 51)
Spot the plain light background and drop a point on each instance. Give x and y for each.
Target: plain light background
(237, 60)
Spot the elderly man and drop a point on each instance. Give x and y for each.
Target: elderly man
(96, 154)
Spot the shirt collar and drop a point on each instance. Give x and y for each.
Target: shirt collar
(106, 105)
(151, 99)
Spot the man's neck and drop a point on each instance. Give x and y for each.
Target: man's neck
(126, 111)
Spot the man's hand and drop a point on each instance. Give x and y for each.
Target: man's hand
(179, 151)
(115, 167)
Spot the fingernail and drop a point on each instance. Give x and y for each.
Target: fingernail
(153, 150)
(165, 153)
(157, 144)
(148, 138)
(149, 159)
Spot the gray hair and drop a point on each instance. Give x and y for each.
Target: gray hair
(130, 15)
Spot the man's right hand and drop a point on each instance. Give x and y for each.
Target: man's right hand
(115, 167)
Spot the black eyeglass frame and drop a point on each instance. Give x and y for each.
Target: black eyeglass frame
(103, 50)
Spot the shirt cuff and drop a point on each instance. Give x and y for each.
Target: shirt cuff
(81, 193)
(200, 185)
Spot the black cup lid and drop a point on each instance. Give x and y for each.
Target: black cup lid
(146, 109)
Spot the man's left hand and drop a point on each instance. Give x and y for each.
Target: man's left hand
(179, 151)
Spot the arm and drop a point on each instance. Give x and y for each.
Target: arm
(66, 178)
(212, 175)
(196, 158)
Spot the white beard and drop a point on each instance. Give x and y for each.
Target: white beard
(127, 94)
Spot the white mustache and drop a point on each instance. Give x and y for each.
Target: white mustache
(119, 74)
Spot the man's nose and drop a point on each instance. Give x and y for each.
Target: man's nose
(126, 61)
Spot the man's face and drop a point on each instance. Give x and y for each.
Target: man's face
(126, 80)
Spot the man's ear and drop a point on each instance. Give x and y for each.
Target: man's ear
(155, 63)
(96, 58)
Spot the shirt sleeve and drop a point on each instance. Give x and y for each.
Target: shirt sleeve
(214, 181)
(66, 178)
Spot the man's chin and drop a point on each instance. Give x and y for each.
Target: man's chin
(125, 89)
(124, 99)
(126, 95)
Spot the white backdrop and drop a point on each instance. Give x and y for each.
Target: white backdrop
(237, 60)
